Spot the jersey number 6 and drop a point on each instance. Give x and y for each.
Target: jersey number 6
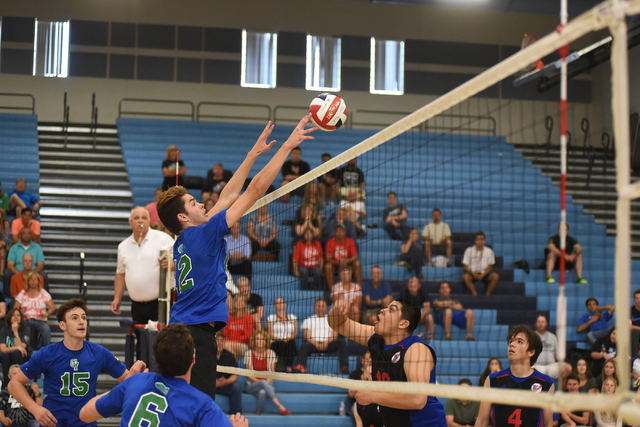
(143, 411)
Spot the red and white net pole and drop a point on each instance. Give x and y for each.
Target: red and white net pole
(561, 321)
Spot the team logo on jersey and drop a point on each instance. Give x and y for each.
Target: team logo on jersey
(395, 357)
(74, 364)
(180, 249)
(163, 388)
(537, 387)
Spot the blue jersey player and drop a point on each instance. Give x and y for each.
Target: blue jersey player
(163, 398)
(71, 368)
(396, 355)
(200, 253)
(524, 348)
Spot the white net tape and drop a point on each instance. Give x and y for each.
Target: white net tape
(606, 14)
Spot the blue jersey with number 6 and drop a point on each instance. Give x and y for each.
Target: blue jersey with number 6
(70, 377)
(200, 255)
(149, 399)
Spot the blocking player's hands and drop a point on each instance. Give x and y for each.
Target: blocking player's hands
(238, 420)
(261, 146)
(44, 417)
(300, 134)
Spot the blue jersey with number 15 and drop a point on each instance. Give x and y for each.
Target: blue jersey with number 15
(70, 377)
(200, 255)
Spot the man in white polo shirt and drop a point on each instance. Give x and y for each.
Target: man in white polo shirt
(478, 265)
(139, 268)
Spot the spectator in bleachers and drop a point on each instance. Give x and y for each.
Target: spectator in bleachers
(15, 337)
(312, 197)
(354, 210)
(493, 365)
(411, 254)
(36, 305)
(262, 230)
(4, 208)
(12, 413)
(238, 252)
(5, 244)
(14, 260)
(208, 205)
(328, 183)
(227, 384)
(308, 261)
(635, 369)
(576, 418)
(25, 221)
(309, 219)
(254, 304)
(546, 362)
(351, 177)
(282, 328)
(478, 264)
(609, 370)
(169, 169)
(20, 198)
(341, 252)
(261, 358)
(572, 256)
(376, 294)
(607, 419)
(18, 280)
(584, 375)
(348, 291)
(418, 296)
(596, 320)
(341, 218)
(437, 238)
(461, 413)
(449, 310)
(634, 322)
(292, 169)
(395, 218)
(361, 373)
(602, 351)
(215, 181)
(239, 327)
(320, 338)
(154, 220)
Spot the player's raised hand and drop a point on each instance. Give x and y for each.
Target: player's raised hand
(138, 367)
(261, 146)
(300, 134)
(44, 417)
(238, 420)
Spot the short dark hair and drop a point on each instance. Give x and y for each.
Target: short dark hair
(636, 292)
(7, 319)
(480, 233)
(464, 381)
(542, 315)
(535, 343)
(297, 149)
(566, 223)
(391, 192)
(436, 210)
(169, 206)
(173, 349)
(27, 209)
(444, 281)
(410, 312)
(591, 299)
(70, 305)
(573, 376)
(325, 155)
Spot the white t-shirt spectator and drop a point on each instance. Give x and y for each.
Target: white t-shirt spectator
(438, 233)
(478, 260)
(318, 327)
(357, 206)
(282, 330)
(549, 346)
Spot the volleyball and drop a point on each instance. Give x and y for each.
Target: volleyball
(328, 111)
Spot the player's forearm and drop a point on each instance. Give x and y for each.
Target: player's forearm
(400, 401)
(17, 390)
(261, 182)
(231, 191)
(89, 413)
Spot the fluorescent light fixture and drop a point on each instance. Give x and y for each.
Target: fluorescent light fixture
(323, 63)
(259, 59)
(386, 75)
(51, 49)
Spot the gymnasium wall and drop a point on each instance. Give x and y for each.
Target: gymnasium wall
(190, 50)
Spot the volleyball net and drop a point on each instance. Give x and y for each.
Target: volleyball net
(479, 157)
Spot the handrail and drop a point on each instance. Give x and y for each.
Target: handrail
(607, 143)
(31, 109)
(199, 115)
(65, 119)
(425, 127)
(122, 112)
(548, 125)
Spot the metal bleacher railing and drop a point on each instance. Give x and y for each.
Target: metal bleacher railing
(18, 102)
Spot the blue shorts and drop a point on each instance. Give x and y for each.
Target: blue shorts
(459, 318)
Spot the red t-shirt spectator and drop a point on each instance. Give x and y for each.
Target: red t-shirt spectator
(239, 329)
(153, 214)
(339, 251)
(308, 255)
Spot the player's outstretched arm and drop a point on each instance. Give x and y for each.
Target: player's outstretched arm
(485, 410)
(261, 182)
(231, 191)
(89, 413)
(19, 392)
(339, 322)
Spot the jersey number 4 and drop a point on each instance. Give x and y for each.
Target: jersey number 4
(184, 266)
(514, 418)
(75, 382)
(144, 415)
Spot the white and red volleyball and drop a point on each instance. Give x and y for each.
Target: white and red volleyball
(328, 111)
